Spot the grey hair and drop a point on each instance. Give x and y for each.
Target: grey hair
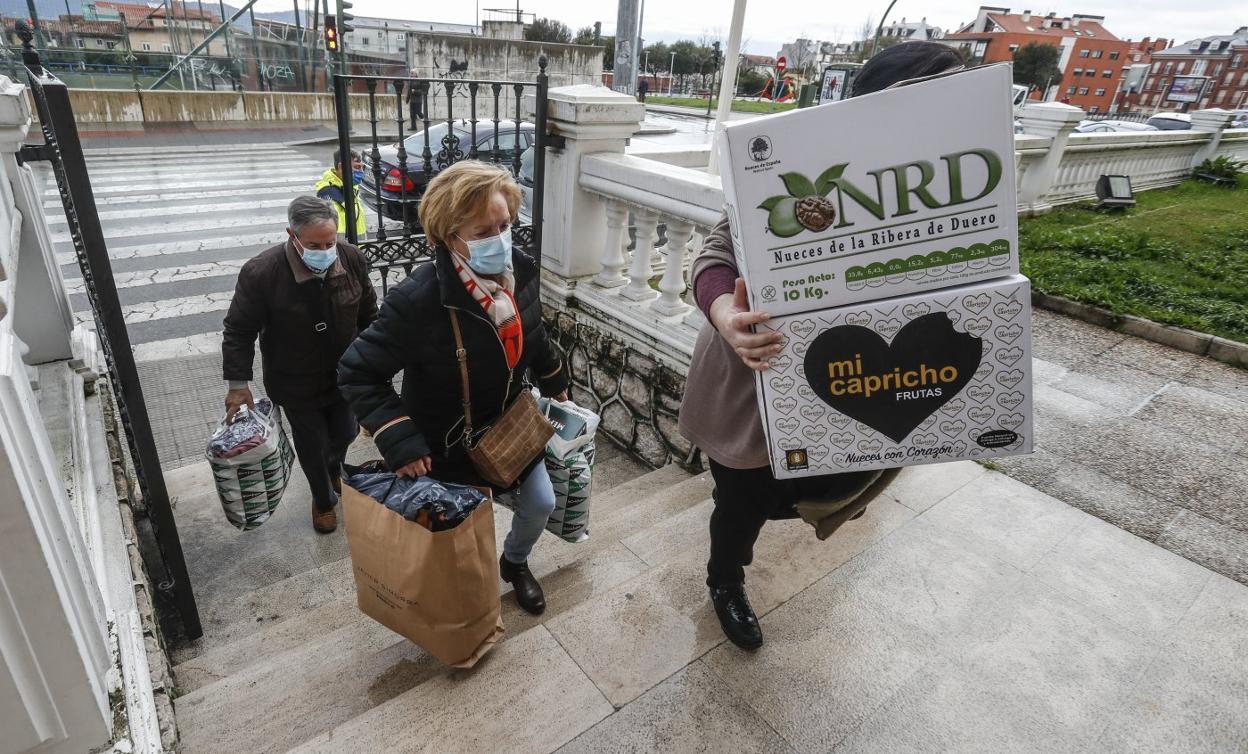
(308, 210)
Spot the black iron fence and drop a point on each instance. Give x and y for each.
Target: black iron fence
(62, 149)
(476, 120)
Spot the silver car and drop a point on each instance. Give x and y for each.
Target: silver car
(1111, 126)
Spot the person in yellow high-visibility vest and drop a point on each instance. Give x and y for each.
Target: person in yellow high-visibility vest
(330, 188)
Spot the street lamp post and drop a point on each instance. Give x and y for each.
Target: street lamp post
(671, 74)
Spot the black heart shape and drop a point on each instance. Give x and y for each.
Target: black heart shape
(929, 340)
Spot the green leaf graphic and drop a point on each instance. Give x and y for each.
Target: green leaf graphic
(828, 179)
(798, 185)
(770, 204)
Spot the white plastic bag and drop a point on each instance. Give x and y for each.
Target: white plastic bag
(250, 485)
(570, 463)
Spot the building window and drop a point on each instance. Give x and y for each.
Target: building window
(1169, 68)
(365, 40)
(147, 47)
(1098, 53)
(79, 43)
(1083, 90)
(1070, 91)
(1244, 81)
(1113, 56)
(1100, 92)
(1013, 48)
(1084, 53)
(1152, 83)
(1094, 110)
(1182, 67)
(1217, 68)
(99, 43)
(1163, 83)
(1078, 72)
(1221, 97)
(166, 47)
(1235, 61)
(1157, 67)
(1230, 77)
(1107, 74)
(111, 45)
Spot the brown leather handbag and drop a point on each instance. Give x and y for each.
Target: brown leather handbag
(507, 447)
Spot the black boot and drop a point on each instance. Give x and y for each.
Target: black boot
(528, 591)
(736, 616)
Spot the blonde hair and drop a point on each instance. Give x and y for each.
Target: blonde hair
(460, 192)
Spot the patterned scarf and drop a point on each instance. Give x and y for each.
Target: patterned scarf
(500, 304)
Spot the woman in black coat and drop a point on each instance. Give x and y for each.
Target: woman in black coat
(467, 212)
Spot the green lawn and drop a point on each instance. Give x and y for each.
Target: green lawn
(1179, 257)
(741, 106)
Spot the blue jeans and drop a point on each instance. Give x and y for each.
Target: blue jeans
(534, 501)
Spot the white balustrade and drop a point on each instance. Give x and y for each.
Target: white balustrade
(673, 283)
(613, 259)
(596, 183)
(642, 268)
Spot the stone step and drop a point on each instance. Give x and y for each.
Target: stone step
(290, 696)
(626, 639)
(632, 636)
(528, 693)
(252, 641)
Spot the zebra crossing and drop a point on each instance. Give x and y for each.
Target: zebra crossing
(179, 225)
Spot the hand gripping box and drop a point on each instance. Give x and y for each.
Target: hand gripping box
(905, 190)
(926, 378)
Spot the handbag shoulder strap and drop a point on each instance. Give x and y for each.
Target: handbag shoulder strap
(461, 355)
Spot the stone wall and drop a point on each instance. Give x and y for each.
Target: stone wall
(95, 107)
(445, 55)
(634, 391)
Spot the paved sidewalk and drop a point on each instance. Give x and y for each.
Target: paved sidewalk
(1150, 439)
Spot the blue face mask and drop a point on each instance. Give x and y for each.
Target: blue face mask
(358, 176)
(490, 256)
(317, 260)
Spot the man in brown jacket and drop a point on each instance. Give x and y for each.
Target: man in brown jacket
(306, 299)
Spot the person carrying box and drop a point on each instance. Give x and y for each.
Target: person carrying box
(720, 410)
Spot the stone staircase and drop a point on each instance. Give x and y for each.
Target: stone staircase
(316, 672)
(964, 612)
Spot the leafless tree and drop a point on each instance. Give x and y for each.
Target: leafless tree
(803, 56)
(866, 33)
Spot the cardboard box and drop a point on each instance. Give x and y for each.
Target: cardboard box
(927, 378)
(904, 190)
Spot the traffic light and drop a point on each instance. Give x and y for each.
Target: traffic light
(344, 18)
(331, 34)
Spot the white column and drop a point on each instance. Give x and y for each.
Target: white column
(613, 259)
(1056, 122)
(583, 120)
(673, 283)
(642, 269)
(54, 653)
(42, 318)
(1212, 122)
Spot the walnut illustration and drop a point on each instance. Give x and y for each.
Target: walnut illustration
(816, 213)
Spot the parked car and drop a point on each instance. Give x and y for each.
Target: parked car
(526, 185)
(1239, 119)
(392, 185)
(1112, 126)
(1171, 121)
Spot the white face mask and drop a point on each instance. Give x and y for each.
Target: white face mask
(489, 256)
(317, 260)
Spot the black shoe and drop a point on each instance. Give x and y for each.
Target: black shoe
(528, 591)
(736, 616)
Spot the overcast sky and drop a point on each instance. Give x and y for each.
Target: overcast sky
(768, 24)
